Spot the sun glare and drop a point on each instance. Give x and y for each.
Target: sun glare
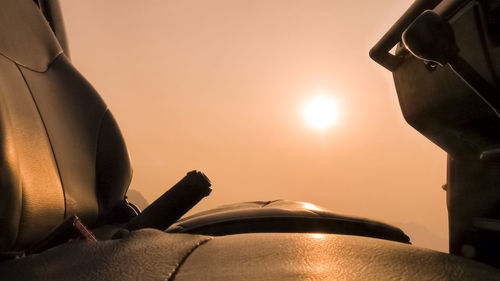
(310, 206)
(321, 112)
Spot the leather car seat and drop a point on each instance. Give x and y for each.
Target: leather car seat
(61, 151)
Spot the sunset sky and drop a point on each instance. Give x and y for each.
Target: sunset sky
(221, 86)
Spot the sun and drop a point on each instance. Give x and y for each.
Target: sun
(321, 112)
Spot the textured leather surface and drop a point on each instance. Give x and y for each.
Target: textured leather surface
(31, 195)
(144, 255)
(154, 255)
(61, 152)
(282, 216)
(112, 167)
(323, 257)
(73, 113)
(25, 35)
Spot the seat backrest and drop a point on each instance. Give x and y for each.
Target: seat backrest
(61, 152)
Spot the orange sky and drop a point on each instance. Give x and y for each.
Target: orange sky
(220, 86)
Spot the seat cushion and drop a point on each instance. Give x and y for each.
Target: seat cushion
(61, 151)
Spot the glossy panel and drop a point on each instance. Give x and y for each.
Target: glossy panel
(282, 216)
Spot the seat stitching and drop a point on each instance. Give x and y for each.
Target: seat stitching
(174, 272)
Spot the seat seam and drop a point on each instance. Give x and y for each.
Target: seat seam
(174, 272)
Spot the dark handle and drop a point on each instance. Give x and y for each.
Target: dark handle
(380, 52)
(173, 204)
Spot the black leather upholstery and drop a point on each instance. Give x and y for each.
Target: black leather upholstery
(61, 150)
(154, 255)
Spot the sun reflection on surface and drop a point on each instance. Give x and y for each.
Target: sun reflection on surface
(318, 236)
(310, 206)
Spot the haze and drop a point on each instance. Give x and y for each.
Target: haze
(220, 86)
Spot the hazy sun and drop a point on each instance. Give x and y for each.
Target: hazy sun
(321, 112)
